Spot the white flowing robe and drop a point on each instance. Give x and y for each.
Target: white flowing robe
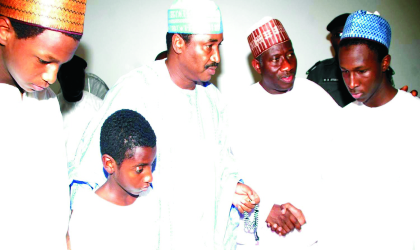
(373, 197)
(35, 186)
(194, 174)
(282, 143)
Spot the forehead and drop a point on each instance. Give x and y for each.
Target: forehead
(281, 48)
(51, 44)
(357, 55)
(204, 38)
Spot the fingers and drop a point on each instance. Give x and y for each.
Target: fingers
(255, 197)
(294, 221)
(404, 88)
(240, 209)
(414, 92)
(296, 213)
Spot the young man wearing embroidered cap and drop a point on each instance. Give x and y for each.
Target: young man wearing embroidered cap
(35, 191)
(379, 178)
(277, 130)
(195, 178)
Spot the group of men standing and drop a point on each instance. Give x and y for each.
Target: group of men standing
(281, 136)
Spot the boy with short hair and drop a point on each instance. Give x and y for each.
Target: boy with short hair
(113, 217)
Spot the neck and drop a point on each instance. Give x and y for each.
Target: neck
(385, 93)
(274, 91)
(176, 72)
(114, 193)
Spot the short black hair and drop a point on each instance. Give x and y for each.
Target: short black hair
(378, 48)
(123, 131)
(169, 36)
(25, 31)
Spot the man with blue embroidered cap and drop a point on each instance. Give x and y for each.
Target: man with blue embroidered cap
(375, 189)
(278, 134)
(35, 191)
(195, 177)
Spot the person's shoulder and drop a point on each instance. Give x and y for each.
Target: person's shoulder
(320, 64)
(312, 92)
(84, 199)
(407, 99)
(143, 75)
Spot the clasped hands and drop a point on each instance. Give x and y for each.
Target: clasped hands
(285, 218)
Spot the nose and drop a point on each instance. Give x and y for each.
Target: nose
(148, 177)
(352, 82)
(51, 73)
(216, 56)
(285, 65)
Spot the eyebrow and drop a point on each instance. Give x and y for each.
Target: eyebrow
(214, 40)
(50, 58)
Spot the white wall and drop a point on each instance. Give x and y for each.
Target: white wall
(122, 35)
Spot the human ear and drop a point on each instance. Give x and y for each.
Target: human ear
(256, 65)
(177, 43)
(386, 61)
(109, 163)
(5, 29)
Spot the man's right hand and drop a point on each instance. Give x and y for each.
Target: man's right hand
(284, 218)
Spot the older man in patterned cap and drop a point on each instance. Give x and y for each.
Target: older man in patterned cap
(195, 178)
(376, 188)
(277, 131)
(36, 37)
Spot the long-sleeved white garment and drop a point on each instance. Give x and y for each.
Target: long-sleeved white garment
(281, 143)
(194, 177)
(373, 196)
(35, 186)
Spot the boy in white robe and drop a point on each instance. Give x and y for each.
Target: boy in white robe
(35, 193)
(381, 170)
(125, 205)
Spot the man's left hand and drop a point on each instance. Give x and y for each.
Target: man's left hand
(245, 198)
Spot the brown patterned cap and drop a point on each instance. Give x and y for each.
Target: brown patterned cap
(62, 15)
(265, 34)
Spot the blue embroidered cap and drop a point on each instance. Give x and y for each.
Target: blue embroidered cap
(363, 24)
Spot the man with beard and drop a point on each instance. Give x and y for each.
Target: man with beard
(278, 133)
(195, 177)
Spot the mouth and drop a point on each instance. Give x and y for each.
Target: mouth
(37, 88)
(356, 95)
(287, 79)
(143, 189)
(212, 70)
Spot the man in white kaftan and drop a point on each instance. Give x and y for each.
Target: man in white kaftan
(281, 130)
(195, 177)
